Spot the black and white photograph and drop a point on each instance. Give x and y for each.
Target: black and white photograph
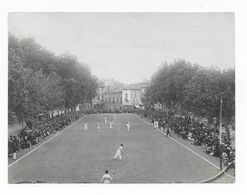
(131, 97)
(121, 98)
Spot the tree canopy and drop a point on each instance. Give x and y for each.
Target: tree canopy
(193, 88)
(40, 81)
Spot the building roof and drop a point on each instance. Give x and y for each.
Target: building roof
(101, 84)
(137, 86)
(117, 90)
(113, 90)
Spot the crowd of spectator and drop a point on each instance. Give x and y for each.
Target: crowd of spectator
(32, 134)
(117, 111)
(197, 132)
(186, 127)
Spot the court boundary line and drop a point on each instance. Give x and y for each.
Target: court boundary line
(232, 177)
(228, 175)
(24, 156)
(185, 146)
(19, 159)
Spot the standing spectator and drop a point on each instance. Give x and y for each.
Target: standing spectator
(168, 132)
(14, 150)
(10, 151)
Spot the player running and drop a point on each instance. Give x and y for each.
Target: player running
(106, 178)
(128, 126)
(85, 126)
(111, 124)
(119, 153)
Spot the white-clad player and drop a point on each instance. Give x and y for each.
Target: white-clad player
(98, 127)
(106, 178)
(128, 126)
(119, 153)
(111, 123)
(105, 120)
(85, 126)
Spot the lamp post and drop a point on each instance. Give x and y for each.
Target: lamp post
(220, 135)
(25, 107)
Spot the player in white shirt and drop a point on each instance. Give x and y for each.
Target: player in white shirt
(98, 127)
(85, 126)
(105, 120)
(111, 123)
(106, 178)
(119, 152)
(128, 126)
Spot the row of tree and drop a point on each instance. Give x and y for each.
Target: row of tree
(184, 87)
(40, 81)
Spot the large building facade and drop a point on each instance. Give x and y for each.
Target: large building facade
(113, 100)
(115, 97)
(98, 101)
(132, 94)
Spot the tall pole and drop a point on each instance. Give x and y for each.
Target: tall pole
(220, 135)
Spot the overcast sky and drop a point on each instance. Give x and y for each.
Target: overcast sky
(129, 47)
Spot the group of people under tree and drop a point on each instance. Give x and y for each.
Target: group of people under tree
(33, 133)
(196, 131)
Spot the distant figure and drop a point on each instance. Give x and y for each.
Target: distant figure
(128, 126)
(85, 126)
(119, 152)
(106, 178)
(14, 150)
(111, 123)
(34, 181)
(168, 132)
(98, 127)
(105, 120)
(156, 124)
